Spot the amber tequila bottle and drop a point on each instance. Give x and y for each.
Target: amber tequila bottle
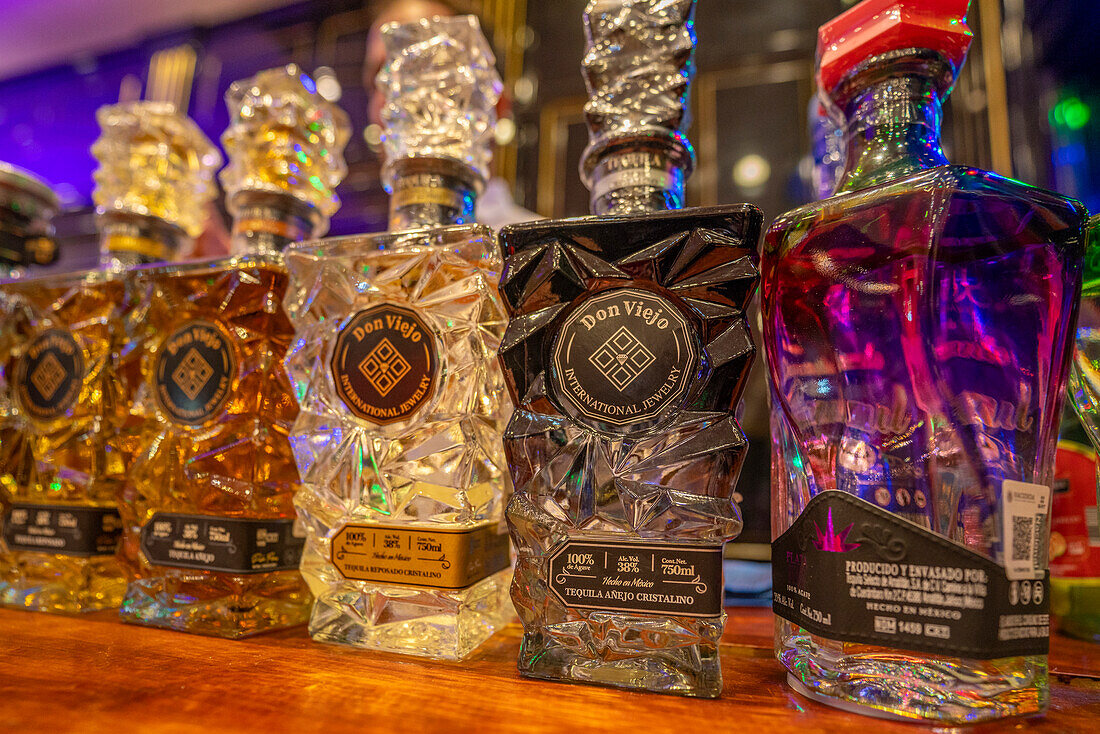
(27, 205)
(403, 404)
(626, 352)
(208, 523)
(918, 325)
(69, 372)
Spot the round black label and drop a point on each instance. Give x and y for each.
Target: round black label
(623, 357)
(384, 364)
(49, 375)
(194, 373)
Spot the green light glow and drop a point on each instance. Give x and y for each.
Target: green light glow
(1070, 113)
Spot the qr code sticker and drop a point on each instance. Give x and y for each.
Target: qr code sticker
(1024, 529)
(1022, 532)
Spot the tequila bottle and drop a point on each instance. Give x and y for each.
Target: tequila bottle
(403, 403)
(27, 206)
(209, 532)
(626, 353)
(918, 327)
(1075, 533)
(68, 368)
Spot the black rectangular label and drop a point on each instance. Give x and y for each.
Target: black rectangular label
(639, 576)
(850, 571)
(229, 545)
(67, 530)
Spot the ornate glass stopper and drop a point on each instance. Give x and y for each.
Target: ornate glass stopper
(153, 162)
(638, 67)
(284, 139)
(441, 88)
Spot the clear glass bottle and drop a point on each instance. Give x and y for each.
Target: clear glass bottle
(918, 327)
(403, 403)
(70, 373)
(626, 353)
(1075, 536)
(209, 532)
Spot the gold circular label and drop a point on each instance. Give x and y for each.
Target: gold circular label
(384, 365)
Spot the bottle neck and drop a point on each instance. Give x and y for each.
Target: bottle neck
(426, 192)
(626, 181)
(893, 123)
(129, 240)
(265, 223)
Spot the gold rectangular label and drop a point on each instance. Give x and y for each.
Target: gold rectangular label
(416, 556)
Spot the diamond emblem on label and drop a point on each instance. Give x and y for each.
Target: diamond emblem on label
(48, 376)
(192, 374)
(384, 367)
(622, 358)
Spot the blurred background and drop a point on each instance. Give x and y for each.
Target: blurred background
(1027, 104)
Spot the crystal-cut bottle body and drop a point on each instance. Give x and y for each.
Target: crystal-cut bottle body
(626, 352)
(63, 412)
(209, 523)
(918, 335)
(399, 437)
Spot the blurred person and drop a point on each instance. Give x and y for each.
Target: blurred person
(495, 205)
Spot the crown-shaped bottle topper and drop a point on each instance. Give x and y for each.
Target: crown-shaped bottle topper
(285, 138)
(154, 162)
(876, 27)
(638, 66)
(441, 87)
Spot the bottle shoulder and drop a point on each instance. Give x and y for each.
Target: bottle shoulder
(474, 243)
(952, 193)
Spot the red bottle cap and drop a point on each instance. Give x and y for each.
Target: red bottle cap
(879, 26)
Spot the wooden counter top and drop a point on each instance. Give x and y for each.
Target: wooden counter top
(94, 674)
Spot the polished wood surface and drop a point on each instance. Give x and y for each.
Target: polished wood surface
(92, 674)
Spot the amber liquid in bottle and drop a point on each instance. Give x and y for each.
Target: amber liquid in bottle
(210, 532)
(68, 374)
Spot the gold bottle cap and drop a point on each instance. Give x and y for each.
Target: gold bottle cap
(285, 138)
(154, 162)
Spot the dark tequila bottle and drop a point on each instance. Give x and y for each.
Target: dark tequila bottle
(918, 327)
(626, 354)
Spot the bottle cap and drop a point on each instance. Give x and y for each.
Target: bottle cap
(285, 138)
(441, 88)
(876, 27)
(154, 162)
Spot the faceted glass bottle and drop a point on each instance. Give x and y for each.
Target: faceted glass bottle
(918, 327)
(209, 531)
(1075, 560)
(68, 368)
(626, 353)
(403, 402)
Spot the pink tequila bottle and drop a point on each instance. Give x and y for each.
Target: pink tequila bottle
(918, 327)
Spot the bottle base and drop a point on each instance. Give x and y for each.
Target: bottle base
(157, 602)
(690, 670)
(433, 623)
(60, 584)
(901, 685)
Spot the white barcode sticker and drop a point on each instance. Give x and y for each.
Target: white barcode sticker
(1025, 511)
